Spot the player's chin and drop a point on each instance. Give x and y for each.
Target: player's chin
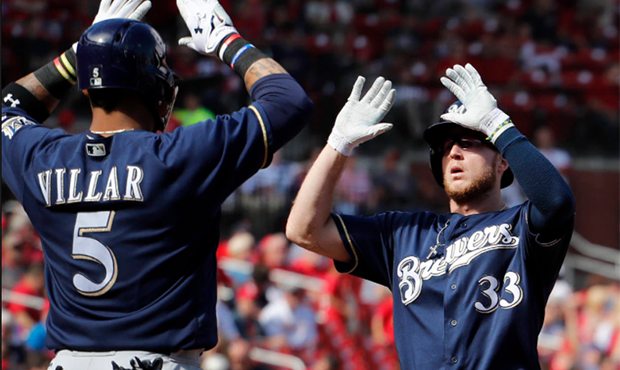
(455, 183)
(458, 188)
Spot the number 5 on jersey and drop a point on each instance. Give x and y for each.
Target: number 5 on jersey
(86, 248)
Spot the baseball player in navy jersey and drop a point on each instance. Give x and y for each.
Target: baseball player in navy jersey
(129, 216)
(469, 286)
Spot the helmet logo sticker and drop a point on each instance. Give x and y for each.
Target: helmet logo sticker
(95, 76)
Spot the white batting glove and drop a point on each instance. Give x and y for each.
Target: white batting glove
(358, 120)
(208, 23)
(479, 110)
(130, 9)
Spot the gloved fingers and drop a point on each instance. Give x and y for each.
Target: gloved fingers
(474, 75)
(387, 103)
(114, 8)
(465, 76)
(183, 6)
(104, 5)
(378, 129)
(453, 87)
(451, 116)
(456, 78)
(141, 10)
(383, 92)
(374, 90)
(219, 11)
(187, 41)
(356, 92)
(123, 8)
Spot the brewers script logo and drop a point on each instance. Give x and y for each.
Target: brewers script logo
(412, 272)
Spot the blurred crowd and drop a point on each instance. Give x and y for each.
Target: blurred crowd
(279, 298)
(548, 62)
(553, 65)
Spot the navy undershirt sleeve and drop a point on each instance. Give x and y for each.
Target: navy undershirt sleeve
(285, 103)
(553, 204)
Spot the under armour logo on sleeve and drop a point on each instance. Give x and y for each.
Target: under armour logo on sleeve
(13, 102)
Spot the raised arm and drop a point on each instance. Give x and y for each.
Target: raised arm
(282, 99)
(310, 224)
(213, 33)
(39, 92)
(553, 204)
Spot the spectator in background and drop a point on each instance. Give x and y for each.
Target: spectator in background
(557, 338)
(14, 260)
(544, 139)
(273, 251)
(382, 322)
(192, 111)
(598, 329)
(393, 188)
(239, 249)
(290, 322)
(246, 313)
(353, 191)
(25, 313)
(265, 197)
(238, 352)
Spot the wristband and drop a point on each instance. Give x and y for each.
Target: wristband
(500, 129)
(226, 43)
(59, 75)
(239, 54)
(17, 96)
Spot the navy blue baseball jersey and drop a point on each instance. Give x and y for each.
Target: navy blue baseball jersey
(469, 291)
(130, 223)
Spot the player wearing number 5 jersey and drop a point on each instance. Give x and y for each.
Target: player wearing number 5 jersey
(129, 216)
(470, 286)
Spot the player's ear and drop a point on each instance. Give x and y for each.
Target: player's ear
(503, 165)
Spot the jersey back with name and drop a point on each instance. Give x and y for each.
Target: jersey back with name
(129, 225)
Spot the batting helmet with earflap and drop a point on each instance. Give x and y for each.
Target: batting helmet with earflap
(128, 54)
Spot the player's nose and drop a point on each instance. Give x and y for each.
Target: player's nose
(455, 152)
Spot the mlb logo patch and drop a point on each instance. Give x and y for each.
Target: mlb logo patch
(95, 150)
(95, 76)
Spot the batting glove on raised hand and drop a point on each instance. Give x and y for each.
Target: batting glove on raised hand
(358, 120)
(130, 9)
(479, 110)
(207, 22)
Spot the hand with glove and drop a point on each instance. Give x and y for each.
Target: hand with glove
(212, 33)
(479, 110)
(130, 9)
(358, 121)
(208, 24)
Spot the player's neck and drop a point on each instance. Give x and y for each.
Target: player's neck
(489, 202)
(109, 123)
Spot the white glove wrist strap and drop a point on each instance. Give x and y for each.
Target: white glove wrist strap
(495, 123)
(340, 144)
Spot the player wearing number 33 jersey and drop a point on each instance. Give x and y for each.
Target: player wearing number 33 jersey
(469, 286)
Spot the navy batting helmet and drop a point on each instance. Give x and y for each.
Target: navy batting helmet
(435, 136)
(128, 54)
